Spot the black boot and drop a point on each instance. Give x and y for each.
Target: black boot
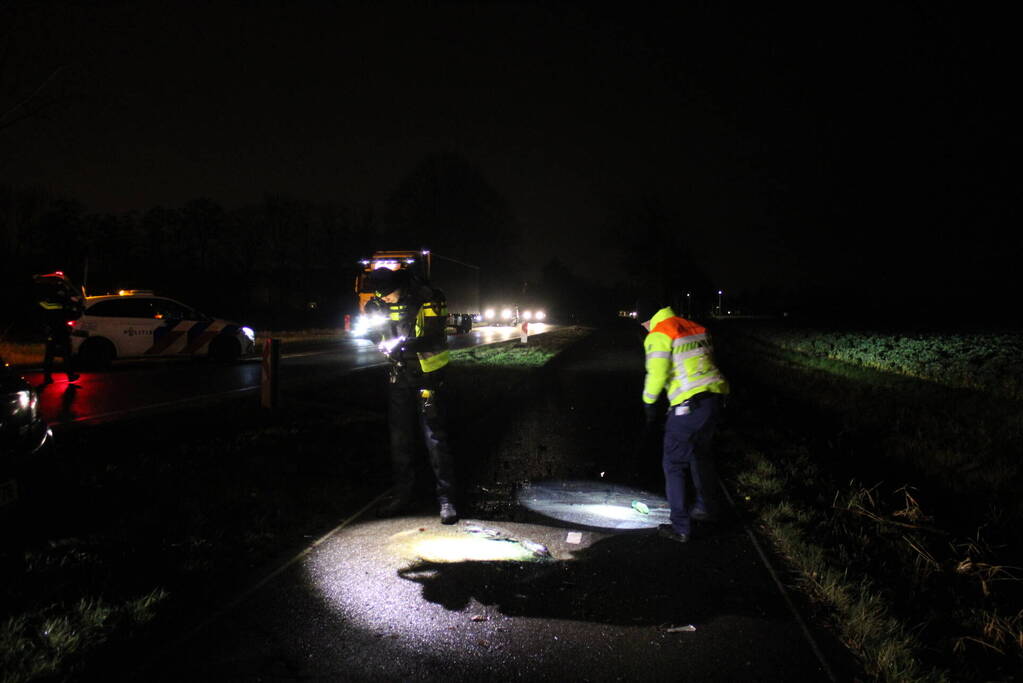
(448, 513)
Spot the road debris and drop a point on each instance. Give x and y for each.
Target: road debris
(487, 533)
(537, 549)
(688, 628)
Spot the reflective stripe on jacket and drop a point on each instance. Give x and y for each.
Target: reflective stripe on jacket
(679, 360)
(425, 332)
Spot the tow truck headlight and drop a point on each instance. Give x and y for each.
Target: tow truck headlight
(540, 315)
(527, 315)
(506, 314)
(488, 314)
(365, 323)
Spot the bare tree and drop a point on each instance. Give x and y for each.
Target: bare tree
(447, 204)
(655, 247)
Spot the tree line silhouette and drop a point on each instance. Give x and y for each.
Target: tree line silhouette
(281, 262)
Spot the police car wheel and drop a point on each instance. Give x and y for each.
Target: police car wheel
(225, 349)
(97, 353)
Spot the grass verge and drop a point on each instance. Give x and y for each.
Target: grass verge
(894, 499)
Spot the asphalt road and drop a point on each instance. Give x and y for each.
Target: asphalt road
(562, 579)
(136, 385)
(408, 599)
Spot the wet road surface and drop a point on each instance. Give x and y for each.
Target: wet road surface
(136, 385)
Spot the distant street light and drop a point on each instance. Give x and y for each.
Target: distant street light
(719, 301)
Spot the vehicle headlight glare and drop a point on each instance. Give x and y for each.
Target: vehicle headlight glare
(540, 315)
(249, 333)
(488, 314)
(506, 314)
(528, 315)
(364, 323)
(27, 402)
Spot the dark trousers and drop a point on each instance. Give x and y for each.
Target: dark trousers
(688, 462)
(58, 343)
(411, 411)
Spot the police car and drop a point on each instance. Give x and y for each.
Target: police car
(138, 324)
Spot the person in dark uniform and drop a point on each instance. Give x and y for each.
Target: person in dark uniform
(680, 363)
(416, 343)
(59, 304)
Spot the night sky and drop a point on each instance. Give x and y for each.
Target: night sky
(864, 148)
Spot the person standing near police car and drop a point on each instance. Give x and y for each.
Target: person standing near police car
(680, 363)
(416, 344)
(59, 304)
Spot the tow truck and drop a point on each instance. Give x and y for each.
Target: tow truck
(457, 280)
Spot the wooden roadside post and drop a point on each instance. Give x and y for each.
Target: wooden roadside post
(270, 385)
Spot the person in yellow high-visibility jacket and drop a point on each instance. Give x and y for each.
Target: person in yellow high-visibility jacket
(680, 364)
(416, 344)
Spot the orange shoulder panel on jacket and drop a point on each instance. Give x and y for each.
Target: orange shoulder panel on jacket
(679, 327)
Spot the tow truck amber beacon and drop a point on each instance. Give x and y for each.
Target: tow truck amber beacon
(457, 280)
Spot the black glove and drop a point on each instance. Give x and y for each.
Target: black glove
(652, 412)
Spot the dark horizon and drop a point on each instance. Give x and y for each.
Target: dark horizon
(799, 152)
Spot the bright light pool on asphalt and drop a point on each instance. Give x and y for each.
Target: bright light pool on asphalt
(378, 574)
(594, 504)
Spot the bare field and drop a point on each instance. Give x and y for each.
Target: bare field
(893, 495)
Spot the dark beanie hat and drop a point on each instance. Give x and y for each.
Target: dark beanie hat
(385, 280)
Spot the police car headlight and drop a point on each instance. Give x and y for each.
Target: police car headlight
(26, 402)
(249, 333)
